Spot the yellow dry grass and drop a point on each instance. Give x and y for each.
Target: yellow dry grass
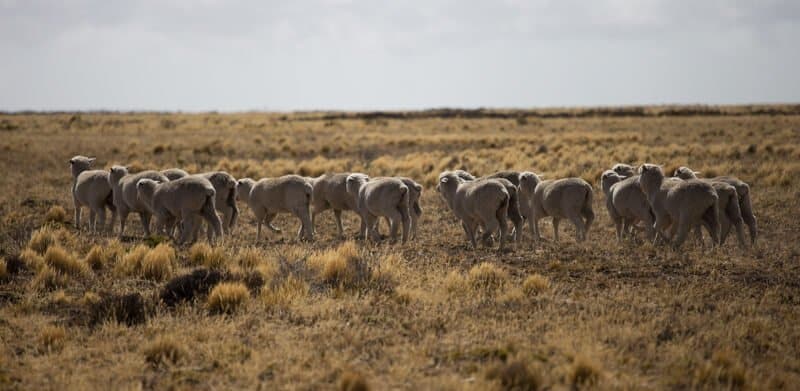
(431, 314)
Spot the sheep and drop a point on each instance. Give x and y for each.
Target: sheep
(742, 191)
(476, 203)
(626, 203)
(381, 197)
(569, 198)
(624, 170)
(511, 180)
(330, 192)
(182, 200)
(679, 205)
(126, 199)
(90, 188)
(225, 186)
(286, 194)
(415, 210)
(174, 173)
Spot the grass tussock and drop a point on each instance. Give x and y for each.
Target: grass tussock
(165, 350)
(228, 298)
(203, 254)
(52, 339)
(341, 267)
(584, 372)
(248, 258)
(722, 371)
(3, 270)
(514, 375)
(47, 279)
(535, 284)
(159, 263)
(101, 257)
(128, 309)
(56, 214)
(351, 380)
(283, 295)
(487, 278)
(47, 236)
(187, 287)
(65, 262)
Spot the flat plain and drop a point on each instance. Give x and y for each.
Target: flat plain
(430, 314)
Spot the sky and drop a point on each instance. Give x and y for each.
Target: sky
(237, 55)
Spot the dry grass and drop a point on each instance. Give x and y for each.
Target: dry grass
(52, 339)
(431, 314)
(3, 269)
(228, 297)
(56, 214)
(164, 350)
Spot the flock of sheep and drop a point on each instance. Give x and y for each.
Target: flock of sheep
(668, 207)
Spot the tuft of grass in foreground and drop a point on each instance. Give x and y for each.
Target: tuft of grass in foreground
(514, 375)
(202, 254)
(228, 297)
(52, 339)
(56, 214)
(158, 263)
(165, 350)
(535, 284)
(64, 262)
(584, 372)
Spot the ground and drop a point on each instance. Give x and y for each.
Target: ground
(429, 314)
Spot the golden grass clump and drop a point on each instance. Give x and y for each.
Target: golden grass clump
(486, 277)
(52, 339)
(514, 375)
(202, 253)
(584, 372)
(283, 295)
(228, 297)
(131, 263)
(48, 279)
(535, 284)
(3, 269)
(47, 236)
(99, 257)
(455, 283)
(31, 259)
(164, 351)
(722, 371)
(56, 214)
(90, 298)
(249, 257)
(353, 381)
(158, 263)
(62, 261)
(341, 266)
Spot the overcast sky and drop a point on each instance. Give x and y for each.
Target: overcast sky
(338, 54)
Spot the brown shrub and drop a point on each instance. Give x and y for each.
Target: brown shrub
(353, 381)
(202, 254)
(487, 278)
(515, 375)
(158, 263)
(535, 284)
(341, 267)
(128, 309)
(584, 372)
(131, 262)
(48, 279)
(62, 261)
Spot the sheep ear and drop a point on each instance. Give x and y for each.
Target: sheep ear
(91, 159)
(444, 180)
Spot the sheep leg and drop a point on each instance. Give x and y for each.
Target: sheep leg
(337, 214)
(101, 219)
(470, 232)
(305, 232)
(620, 226)
(92, 219)
(370, 227)
(725, 229)
(711, 216)
(123, 216)
(113, 221)
(77, 215)
(188, 223)
(588, 214)
(145, 217)
(556, 221)
(682, 231)
(749, 218)
(580, 227)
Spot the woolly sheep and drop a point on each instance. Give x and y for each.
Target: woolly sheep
(381, 197)
(126, 198)
(679, 205)
(330, 192)
(626, 203)
(286, 194)
(415, 210)
(225, 186)
(174, 173)
(569, 198)
(182, 200)
(476, 203)
(742, 191)
(511, 180)
(624, 170)
(90, 188)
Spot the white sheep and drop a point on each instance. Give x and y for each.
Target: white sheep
(174, 173)
(569, 198)
(627, 204)
(90, 188)
(624, 170)
(415, 210)
(476, 203)
(225, 186)
(743, 193)
(381, 197)
(330, 192)
(185, 199)
(286, 194)
(511, 180)
(679, 205)
(126, 198)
